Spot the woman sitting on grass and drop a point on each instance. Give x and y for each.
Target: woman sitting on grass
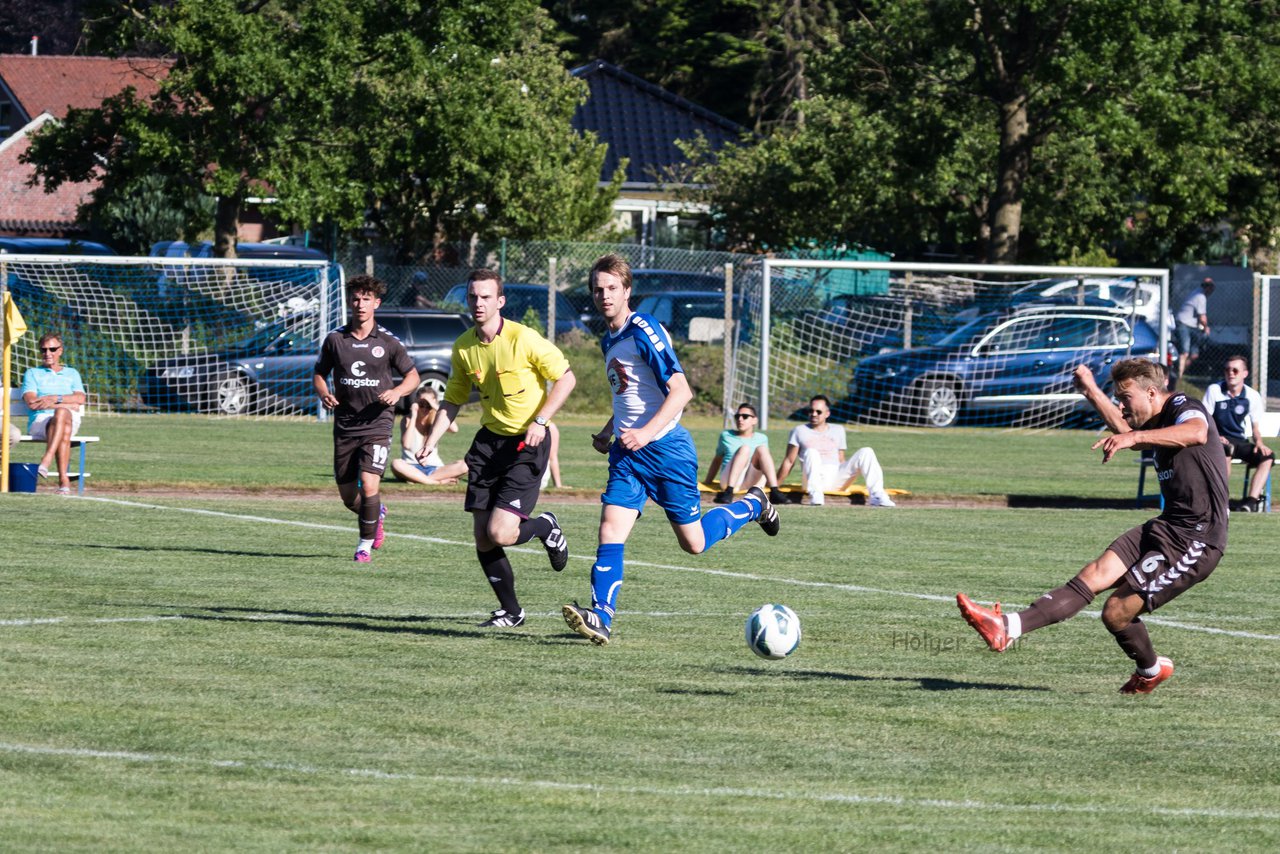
(414, 428)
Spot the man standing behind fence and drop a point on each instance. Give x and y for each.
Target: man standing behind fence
(363, 358)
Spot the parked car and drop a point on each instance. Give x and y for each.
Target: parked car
(1009, 365)
(52, 246)
(676, 310)
(522, 297)
(270, 370)
(1121, 291)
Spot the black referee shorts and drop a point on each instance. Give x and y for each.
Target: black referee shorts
(505, 473)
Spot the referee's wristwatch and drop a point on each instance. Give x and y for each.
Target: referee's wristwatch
(540, 420)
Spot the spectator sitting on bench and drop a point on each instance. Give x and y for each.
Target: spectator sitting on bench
(743, 460)
(1232, 404)
(820, 448)
(55, 395)
(414, 429)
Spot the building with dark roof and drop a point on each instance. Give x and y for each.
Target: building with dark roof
(640, 123)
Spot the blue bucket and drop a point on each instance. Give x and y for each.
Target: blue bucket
(23, 477)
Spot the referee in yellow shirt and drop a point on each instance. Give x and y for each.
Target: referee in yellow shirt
(509, 364)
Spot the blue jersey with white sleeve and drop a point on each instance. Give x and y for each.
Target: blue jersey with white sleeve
(639, 362)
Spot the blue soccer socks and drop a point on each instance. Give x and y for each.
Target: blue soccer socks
(719, 523)
(606, 579)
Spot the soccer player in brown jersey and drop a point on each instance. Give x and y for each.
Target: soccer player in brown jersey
(363, 358)
(1151, 564)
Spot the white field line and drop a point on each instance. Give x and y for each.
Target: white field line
(726, 792)
(742, 576)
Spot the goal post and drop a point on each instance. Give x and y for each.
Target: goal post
(227, 337)
(941, 344)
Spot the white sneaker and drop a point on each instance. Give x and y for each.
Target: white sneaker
(816, 500)
(882, 500)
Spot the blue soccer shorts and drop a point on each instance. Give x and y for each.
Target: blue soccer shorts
(665, 470)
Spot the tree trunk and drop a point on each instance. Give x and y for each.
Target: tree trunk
(226, 227)
(1012, 169)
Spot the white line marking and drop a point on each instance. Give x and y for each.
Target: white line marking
(657, 791)
(743, 576)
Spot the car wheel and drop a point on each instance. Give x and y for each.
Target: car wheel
(233, 395)
(937, 403)
(434, 381)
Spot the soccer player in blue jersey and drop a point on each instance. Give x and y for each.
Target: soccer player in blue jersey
(650, 455)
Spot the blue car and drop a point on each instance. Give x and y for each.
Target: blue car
(521, 298)
(1012, 367)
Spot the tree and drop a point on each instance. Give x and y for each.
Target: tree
(333, 108)
(1035, 130)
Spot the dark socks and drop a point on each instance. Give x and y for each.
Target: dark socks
(1056, 605)
(530, 528)
(501, 578)
(1136, 643)
(369, 510)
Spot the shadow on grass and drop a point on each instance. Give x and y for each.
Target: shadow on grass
(377, 623)
(925, 683)
(1070, 502)
(189, 550)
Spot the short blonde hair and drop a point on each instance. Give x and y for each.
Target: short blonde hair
(1146, 373)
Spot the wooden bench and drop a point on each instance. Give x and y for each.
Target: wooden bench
(18, 413)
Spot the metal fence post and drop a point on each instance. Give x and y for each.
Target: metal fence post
(551, 299)
(727, 392)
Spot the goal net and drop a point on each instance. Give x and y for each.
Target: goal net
(939, 345)
(180, 334)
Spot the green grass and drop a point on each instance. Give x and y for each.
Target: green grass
(179, 673)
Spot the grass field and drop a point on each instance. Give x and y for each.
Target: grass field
(186, 667)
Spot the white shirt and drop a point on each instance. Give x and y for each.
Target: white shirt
(1193, 308)
(828, 442)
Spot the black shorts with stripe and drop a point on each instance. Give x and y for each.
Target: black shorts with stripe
(503, 472)
(1163, 563)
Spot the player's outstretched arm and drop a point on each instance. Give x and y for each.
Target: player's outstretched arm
(793, 452)
(1105, 407)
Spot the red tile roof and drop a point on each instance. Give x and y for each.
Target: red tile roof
(56, 83)
(30, 210)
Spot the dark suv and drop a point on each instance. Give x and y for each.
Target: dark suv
(270, 371)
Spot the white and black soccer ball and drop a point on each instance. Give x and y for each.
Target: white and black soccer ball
(773, 631)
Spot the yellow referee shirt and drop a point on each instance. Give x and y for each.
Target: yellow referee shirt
(510, 372)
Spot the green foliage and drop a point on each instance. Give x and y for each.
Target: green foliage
(438, 118)
(1029, 133)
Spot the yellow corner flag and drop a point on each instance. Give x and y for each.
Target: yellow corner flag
(14, 326)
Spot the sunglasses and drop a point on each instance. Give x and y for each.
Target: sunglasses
(817, 412)
(743, 415)
(50, 349)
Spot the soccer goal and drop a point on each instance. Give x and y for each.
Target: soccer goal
(180, 334)
(939, 345)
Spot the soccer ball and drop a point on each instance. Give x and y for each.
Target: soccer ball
(773, 631)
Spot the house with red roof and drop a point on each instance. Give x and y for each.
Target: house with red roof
(38, 89)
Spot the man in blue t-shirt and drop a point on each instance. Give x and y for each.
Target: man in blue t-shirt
(650, 455)
(55, 395)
